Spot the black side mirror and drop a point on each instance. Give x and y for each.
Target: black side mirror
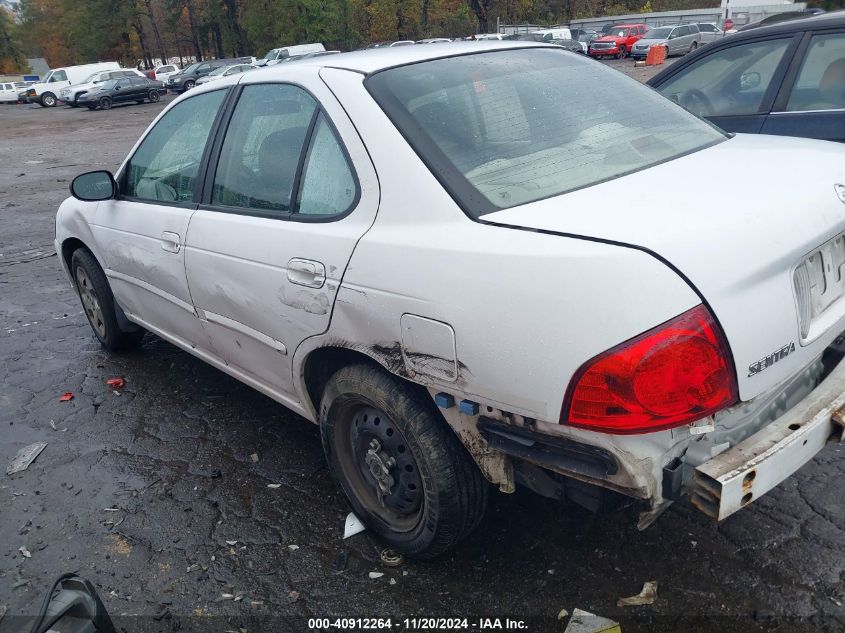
(94, 186)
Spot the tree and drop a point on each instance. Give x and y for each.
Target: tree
(12, 59)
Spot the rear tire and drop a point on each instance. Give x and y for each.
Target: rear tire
(378, 430)
(693, 46)
(98, 302)
(154, 96)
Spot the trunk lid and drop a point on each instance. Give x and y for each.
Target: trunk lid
(753, 223)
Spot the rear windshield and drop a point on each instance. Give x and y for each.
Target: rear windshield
(659, 34)
(510, 127)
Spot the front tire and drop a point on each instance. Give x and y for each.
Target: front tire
(98, 302)
(48, 100)
(188, 85)
(105, 103)
(622, 52)
(400, 466)
(693, 46)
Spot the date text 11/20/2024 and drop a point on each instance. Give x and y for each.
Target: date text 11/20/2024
(417, 624)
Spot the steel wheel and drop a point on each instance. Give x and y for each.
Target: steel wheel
(90, 302)
(105, 103)
(381, 469)
(154, 96)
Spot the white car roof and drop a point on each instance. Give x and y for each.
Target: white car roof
(375, 59)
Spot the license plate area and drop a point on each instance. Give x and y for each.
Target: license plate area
(819, 282)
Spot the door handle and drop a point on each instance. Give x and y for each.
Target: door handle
(170, 242)
(306, 272)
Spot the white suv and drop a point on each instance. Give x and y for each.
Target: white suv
(464, 283)
(71, 94)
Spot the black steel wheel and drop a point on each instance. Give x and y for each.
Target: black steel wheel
(98, 303)
(403, 470)
(105, 103)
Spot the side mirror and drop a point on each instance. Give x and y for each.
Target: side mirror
(94, 186)
(747, 81)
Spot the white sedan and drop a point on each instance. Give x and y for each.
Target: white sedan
(463, 277)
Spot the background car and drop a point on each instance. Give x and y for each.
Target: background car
(71, 94)
(114, 91)
(163, 73)
(225, 71)
(584, 37)
(296, 58)
(788, 79)
(434, 40)
(570, 45)
(8, 93)
(275, 55)
(678, 39)
(619, 42)
(187, 78)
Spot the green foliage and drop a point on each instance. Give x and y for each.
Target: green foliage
(12, 59)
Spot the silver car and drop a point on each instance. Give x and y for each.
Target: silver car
(678, 39)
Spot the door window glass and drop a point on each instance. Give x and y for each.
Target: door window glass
(732, 81)
(262, 148)
(165, 166)
(820, 84)
(328, 186)
(57, 75)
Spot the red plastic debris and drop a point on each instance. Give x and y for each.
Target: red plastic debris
(116, 383)
(66, 397)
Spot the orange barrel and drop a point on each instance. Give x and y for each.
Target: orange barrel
(656, 55)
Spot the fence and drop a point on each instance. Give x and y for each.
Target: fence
(740, 15)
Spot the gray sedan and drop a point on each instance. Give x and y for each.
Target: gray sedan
(678, 39)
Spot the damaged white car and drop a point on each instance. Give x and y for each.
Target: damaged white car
(454, 268)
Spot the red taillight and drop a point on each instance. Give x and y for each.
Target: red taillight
(672, 375)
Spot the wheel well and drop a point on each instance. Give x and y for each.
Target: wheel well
(69, 247)
(322, 363)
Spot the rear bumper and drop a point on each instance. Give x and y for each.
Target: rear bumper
(735, 478)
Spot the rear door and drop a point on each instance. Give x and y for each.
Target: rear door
(734, 87)
(812, 101)
(289, 192)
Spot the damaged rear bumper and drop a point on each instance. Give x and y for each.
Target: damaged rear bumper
(735, 478)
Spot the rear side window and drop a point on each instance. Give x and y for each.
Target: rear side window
(820, 84)
(328, 186)
(497, 131)
(164, 167)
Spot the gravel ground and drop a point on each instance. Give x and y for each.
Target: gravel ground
(142, 491)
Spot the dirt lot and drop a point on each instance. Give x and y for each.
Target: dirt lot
(141, 491)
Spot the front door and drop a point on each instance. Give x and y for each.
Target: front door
(141, 234)
(292, 192)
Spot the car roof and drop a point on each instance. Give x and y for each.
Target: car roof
(810, 23)
(373, 60)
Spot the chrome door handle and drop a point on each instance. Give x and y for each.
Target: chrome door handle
(170, 242)
(306, 272)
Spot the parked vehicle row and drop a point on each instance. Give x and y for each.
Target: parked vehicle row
(187, 78)
(677, 40)
(313, 236)
(46, 93)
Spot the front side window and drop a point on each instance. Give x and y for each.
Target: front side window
(261, 151)
(57, 75)
(497, 131)
(820, 84)
(165, 166)
(732, 81)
